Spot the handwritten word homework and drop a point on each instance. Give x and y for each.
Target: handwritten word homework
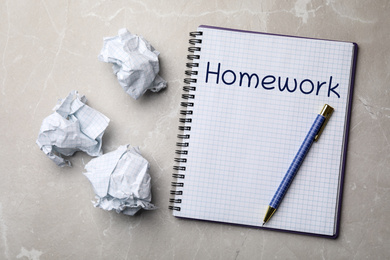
(271, 82)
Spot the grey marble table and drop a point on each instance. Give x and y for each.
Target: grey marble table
(48, 48)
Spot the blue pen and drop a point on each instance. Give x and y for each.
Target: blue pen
(313, 135)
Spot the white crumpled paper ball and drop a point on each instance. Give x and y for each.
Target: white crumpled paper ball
(72, 127)
(121, 181)
(135, 62)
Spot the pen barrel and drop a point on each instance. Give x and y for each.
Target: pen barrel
(297, 162)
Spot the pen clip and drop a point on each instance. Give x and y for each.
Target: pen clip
(325, 112)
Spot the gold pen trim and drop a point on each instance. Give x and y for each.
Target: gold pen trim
(325, 112)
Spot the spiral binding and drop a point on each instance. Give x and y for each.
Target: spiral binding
(187, 104)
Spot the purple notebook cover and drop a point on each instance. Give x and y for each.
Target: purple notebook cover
(345, 141)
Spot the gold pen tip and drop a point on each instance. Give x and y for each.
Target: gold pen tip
(268, 214)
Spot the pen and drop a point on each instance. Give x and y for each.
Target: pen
(313, 135)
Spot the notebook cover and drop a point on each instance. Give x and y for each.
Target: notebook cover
(345, 141)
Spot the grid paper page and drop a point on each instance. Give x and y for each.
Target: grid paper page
(245, 135)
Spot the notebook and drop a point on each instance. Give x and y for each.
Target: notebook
(248, 102)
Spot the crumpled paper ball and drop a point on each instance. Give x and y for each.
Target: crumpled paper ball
(72, 127)
(121, 181)
(135, 62)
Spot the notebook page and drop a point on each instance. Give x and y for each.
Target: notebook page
(245, 130)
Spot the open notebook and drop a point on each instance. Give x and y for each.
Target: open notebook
(249, 100)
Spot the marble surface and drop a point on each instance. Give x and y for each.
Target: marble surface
(48, 48)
